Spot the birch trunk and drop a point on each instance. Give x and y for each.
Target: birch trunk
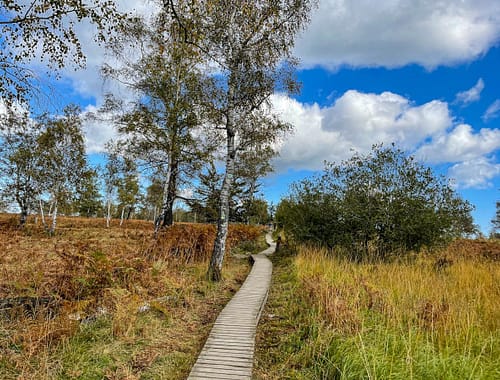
(166, 216)
(121, 217)
(108, 216)
(41, 214)
(23, 217)
(54, 219)
(215, 268)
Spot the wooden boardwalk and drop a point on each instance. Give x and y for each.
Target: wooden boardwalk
(228, 351)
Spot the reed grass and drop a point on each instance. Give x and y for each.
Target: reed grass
(436, 316)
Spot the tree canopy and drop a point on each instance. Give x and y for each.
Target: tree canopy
(375, 205)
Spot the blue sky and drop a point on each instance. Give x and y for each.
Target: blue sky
(419, 85)
(419, 73)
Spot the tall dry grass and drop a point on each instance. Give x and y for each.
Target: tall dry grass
(435, 316)
(446, 300)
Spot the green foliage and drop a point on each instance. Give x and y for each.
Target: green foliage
(250, 43)
(128, 189)
(63, 163)
(375, 205)
(162, 128)
(88, 201)
(19, 161)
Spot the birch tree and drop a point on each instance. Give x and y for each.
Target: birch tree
(19, 161)
(128, 189)
(250, 43)
(160, 127)
(62, 155)
(111, 180)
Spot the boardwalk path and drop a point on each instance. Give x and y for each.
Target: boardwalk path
(228, 351)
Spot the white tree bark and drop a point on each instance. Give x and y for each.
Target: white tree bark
(41, 213)
(121, 217)
(215, 268)
(54, 219)
(108, 215)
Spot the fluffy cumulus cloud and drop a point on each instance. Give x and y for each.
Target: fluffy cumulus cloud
(356, 121)
(476, 173)
(493, 111)
(471, 95)
(395, 33)
(462, 143)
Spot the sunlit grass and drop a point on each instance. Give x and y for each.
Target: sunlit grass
(426, 318)
(123, 313)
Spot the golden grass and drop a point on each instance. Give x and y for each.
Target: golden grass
(434, 316)
(448, 301)
(104, 276)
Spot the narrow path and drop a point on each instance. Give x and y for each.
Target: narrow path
(228, 351)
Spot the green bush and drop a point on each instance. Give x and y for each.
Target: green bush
(375, 205)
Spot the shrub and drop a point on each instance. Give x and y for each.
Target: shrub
(194, 242)
(375, 205)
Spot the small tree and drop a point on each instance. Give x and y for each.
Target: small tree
(111, 180)
(62, 154)
(375, 205)
(19, 161)
(89, 201)
(128, 189)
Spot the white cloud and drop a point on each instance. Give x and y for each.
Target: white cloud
(87, 81)
(98, 131)
(462, 143)
(355, 121)
(365, 33)
(475, 173)
(493, 111)
(358, 120)
(471, 95)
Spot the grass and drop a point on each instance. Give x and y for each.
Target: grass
(433, 317)
(125, 308)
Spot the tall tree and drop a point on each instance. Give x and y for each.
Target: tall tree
(62, 155)
(19, 161)
(160, 128)
(249, 41)
(45, 29)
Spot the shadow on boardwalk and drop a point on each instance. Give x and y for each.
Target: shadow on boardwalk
(229, 349)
